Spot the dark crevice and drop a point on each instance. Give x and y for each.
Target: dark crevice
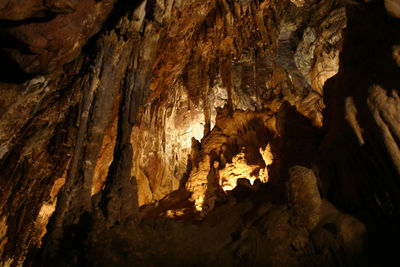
(10, 72)
(47, 16)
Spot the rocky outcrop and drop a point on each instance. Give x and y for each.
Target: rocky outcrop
(255, 226)
(41, 36)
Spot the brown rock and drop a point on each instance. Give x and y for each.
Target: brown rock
(177, 100)
(21, 9)
(56, 40)
(393, 7)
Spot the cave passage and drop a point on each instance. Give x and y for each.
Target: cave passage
(199, 133)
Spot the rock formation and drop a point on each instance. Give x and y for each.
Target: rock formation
(207, 132)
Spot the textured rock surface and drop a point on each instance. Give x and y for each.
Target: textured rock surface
(43, 36)
(362, 162)
(393, 7)
(125, 149)
(242, 60)
(251, 229)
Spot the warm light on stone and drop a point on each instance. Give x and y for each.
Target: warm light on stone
(199, 133)
(239, 168)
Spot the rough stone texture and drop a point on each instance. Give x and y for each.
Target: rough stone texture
(298, 3)
(244, 67)
(44, 44)
(121, 156)
(393, 7)
(362, 162)
(250, 229)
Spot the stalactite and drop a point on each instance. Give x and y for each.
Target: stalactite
(231, 116)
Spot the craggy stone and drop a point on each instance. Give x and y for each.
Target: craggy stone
(204, 132)
(56, 40)
(393, 7)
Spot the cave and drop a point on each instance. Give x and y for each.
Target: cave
(199, 133)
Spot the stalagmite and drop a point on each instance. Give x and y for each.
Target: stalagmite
(207, 132)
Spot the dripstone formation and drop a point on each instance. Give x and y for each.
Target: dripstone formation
(199, 133)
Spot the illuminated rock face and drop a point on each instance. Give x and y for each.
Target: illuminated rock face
(231, 151)
(236, 115)
(244, 62)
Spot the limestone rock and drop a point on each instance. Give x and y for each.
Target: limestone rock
(393, 8)
(204, 132)
(49, 44)
(298, 3)
(304, 195)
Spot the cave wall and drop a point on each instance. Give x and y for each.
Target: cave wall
(362, 176)
(163, 104)
(243, 59)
